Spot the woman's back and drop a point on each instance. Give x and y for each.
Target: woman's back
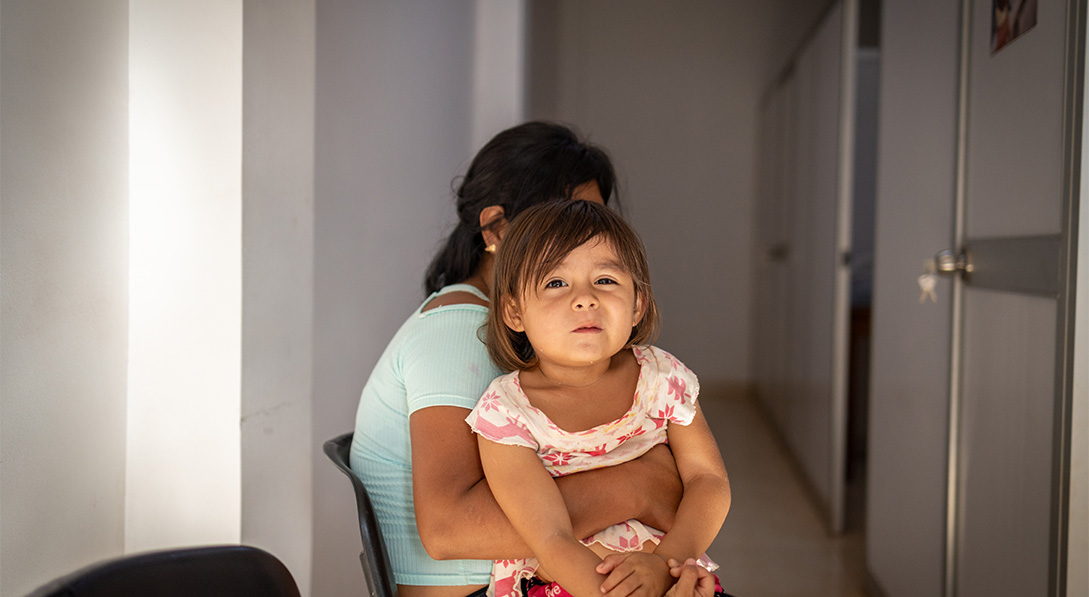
(434, 359)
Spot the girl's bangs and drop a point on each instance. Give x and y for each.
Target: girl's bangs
(555, 245)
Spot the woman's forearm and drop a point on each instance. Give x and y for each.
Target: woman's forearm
(478, 529)
(595, 501)
(647, 489)
(456, 514)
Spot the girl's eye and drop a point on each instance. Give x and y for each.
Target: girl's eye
(606, 281)
(555, 284)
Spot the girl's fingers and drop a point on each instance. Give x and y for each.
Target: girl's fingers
(692, 580)
(706, 582)
(686, 582)
(676, 567)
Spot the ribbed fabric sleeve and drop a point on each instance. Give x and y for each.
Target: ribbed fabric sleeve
(435, 359)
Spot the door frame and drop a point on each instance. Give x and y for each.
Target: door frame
(1073, 115)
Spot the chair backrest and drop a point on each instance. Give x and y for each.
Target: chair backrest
(374, 558)
(222, 570)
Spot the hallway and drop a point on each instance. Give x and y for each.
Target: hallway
(774, 543)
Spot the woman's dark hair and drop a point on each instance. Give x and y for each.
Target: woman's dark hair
(518, 168)
(536, 243)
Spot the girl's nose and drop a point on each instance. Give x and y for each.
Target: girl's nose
(585, 300)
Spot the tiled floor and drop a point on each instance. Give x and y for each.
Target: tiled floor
(774, 543)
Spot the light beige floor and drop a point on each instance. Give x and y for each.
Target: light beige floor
(774, 543)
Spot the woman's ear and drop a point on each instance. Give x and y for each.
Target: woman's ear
(493, 223)
(512, 316)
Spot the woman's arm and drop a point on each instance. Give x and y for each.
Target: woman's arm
(649, 488)
(532, 502)
(456, 515)
(458, 518)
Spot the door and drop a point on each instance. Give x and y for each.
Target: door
(803, 234)
(1017, 180)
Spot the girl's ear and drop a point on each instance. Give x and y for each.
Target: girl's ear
(640, 309)
(493, 223)
(512, 316)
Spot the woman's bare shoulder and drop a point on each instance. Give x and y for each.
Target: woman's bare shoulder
(458, 297)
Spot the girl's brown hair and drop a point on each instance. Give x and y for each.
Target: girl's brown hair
(535, 243)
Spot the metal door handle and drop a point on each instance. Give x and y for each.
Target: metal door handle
(949, 262)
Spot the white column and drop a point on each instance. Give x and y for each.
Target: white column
(183, 453)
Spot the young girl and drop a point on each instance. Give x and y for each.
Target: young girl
(572, 313)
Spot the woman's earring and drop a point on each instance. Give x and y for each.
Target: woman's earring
(490, 248)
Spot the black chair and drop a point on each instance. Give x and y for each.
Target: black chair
(374, 557)
(215, 571)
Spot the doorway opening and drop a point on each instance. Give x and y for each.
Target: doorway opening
(862, 249)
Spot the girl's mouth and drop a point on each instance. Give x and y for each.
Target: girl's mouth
(587, 329)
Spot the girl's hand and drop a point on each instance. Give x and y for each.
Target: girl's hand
(692, 580)
(635, 574)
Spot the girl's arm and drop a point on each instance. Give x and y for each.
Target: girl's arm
(704, 506)
(532, 502)
(458, 518)
(706, 490)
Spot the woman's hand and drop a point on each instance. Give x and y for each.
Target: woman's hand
(635, 574)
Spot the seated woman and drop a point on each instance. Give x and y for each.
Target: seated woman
(412, 448)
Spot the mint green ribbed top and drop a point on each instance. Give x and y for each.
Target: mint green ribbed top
(435, 359)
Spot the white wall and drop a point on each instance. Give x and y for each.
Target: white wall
(396, 97)
(671, 91)
(64, 266)
(909, 390)
(277, 443)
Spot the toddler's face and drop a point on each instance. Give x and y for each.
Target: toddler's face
(582, 312)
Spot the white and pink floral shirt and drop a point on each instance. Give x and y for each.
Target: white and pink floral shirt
(665, 393)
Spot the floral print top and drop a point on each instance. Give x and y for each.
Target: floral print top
(665, 393)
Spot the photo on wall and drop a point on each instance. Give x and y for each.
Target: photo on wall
(1009, 20)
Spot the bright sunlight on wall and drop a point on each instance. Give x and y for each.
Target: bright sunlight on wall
(185, 110)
